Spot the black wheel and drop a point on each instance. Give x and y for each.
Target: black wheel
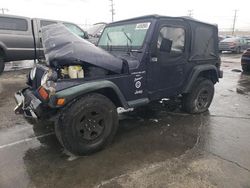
(87, 125)
(2, 65)
(200, 97)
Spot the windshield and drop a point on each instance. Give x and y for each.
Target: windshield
(132, 35)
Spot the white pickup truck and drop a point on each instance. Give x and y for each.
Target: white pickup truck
(20, 37)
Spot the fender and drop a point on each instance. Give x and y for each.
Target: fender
(195, 73)
(73, 92)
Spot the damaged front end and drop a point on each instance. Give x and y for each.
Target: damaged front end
(64, 49)
(70, 61)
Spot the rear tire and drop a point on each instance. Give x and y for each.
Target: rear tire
(200, 97)
(87, 125)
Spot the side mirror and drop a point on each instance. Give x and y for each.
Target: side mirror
(166, 45)
(86, 35)
(97, 35)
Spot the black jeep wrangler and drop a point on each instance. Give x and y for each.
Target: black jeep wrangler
(136, 61)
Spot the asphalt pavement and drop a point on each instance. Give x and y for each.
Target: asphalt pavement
(159, 146)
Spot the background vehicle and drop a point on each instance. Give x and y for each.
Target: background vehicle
(245, 60)
(221, 37)
(20, 37)
(236, 45)
(95, 32)
(137, 61)
(248, 41)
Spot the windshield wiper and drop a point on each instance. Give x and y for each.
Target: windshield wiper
(109, 47)
(130, 40)
(109, 37)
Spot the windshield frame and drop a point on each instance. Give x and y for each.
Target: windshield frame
(126, 47)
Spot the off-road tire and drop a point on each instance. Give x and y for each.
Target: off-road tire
(87, 125)
(200, 97)
(2, 65)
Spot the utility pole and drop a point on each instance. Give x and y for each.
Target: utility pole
(4, 9)
(190, 13)
(112, 10)
(234, 22)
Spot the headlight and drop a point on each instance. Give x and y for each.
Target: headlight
(49, 75)
(44, 78)
(33, 73)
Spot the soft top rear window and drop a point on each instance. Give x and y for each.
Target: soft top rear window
(204, 45)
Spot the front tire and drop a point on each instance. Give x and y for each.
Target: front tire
(87, 125)
(200, 97)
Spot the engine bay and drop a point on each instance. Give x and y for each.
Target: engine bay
(79, 71)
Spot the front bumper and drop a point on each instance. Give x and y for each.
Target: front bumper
(27, 103)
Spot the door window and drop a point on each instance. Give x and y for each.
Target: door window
(18, 24)
(175, 36)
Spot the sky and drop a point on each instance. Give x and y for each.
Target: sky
(87, 12)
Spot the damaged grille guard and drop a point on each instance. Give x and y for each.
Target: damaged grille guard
(21, 108)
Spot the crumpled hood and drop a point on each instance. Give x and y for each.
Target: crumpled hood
(64, 48)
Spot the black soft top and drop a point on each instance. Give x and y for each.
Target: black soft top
(156, 16)
(204, 36)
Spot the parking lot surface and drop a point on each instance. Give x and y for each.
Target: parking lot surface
(159, 146)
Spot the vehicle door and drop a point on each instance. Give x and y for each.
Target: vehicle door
(166, 70)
